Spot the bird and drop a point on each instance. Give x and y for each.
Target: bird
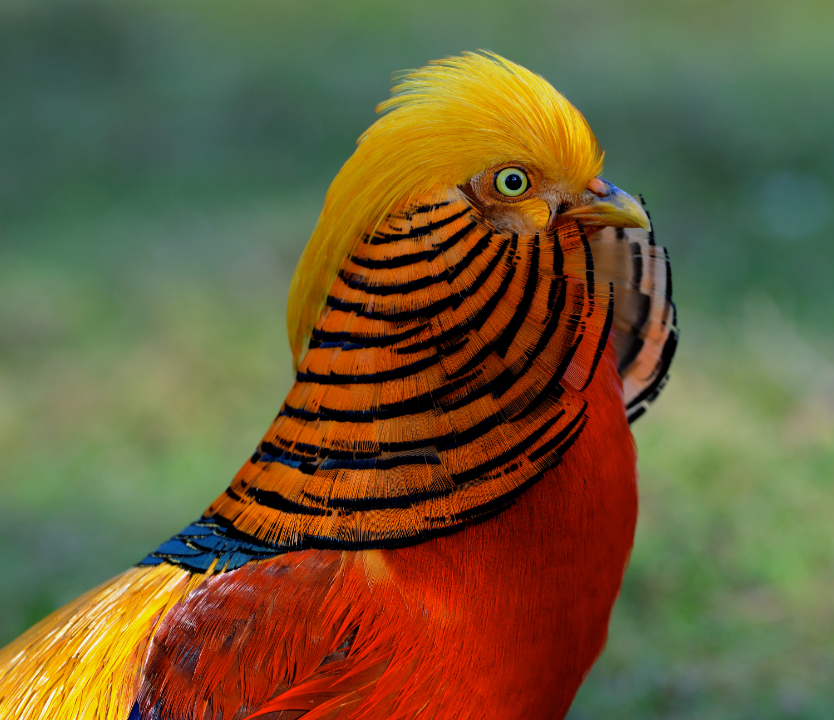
(438, 520)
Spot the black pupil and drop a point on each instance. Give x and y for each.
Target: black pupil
(513, 182)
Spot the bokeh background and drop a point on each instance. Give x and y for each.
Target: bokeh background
(162, 164)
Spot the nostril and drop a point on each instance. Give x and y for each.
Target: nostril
(599, 187)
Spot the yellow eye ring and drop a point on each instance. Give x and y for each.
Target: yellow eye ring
(511, 181)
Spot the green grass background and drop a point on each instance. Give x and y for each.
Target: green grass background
(162, 164)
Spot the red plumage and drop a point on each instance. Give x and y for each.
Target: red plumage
(500, 620)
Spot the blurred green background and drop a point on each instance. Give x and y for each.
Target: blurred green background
(162, 164)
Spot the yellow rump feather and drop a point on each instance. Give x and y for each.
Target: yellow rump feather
(84, 661)
(443, 124)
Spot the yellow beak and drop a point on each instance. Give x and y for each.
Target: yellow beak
(614, 208)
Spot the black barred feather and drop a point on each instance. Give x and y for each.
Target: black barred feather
(443, 377)
(645, 319)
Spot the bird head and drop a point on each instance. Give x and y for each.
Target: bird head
(478, 125)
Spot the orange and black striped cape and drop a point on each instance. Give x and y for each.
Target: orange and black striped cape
(446, 374)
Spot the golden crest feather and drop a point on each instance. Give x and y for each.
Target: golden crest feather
(443, 124)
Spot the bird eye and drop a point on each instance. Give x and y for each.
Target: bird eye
(511, 182)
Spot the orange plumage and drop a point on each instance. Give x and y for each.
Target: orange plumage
(437, 523)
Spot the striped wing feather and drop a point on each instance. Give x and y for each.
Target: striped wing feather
(443, 377)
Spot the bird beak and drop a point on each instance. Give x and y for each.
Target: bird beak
(612, 208)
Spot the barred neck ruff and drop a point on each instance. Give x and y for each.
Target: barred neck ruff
(443, 377)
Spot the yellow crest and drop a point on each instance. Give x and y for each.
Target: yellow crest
(443, 124)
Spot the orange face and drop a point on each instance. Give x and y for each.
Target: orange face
(519, 198)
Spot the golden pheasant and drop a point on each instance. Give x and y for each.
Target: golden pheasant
(437, 523)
